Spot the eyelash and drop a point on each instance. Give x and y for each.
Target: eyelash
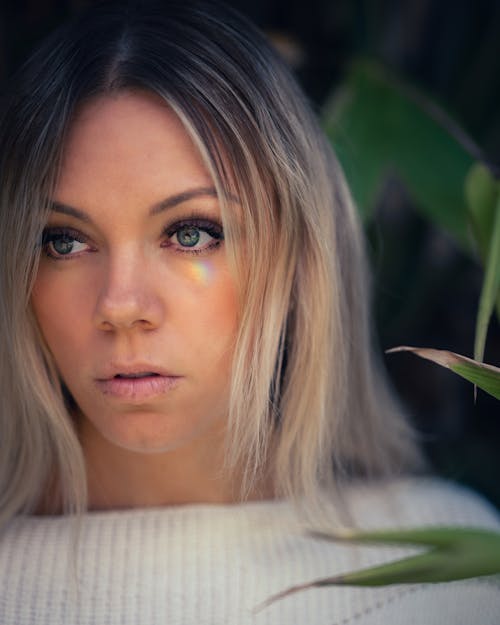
(209, 226)
(49, 235)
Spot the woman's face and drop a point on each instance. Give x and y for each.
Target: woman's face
(134, 281)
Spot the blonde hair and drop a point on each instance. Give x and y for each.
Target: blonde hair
(309, 402)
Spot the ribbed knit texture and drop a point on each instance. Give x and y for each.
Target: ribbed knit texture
(211, 565)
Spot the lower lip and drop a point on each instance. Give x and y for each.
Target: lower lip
(137, 389)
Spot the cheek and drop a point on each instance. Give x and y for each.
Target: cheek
(59, 310)
(204, 320)
(216, 308)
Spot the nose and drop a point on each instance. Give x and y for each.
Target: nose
(127, 296)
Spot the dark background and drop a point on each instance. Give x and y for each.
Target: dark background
(426, 289)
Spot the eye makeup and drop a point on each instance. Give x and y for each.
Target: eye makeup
(183, 235)
(193, 235)
(52, 236)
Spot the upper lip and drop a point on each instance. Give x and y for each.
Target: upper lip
(128, 369)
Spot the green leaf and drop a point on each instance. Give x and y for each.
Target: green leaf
(487, 377)
(491, 287)
(455, 553)
(381, 127)
(482, 191)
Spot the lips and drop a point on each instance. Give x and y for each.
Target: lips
(138, 382)
(133, 370)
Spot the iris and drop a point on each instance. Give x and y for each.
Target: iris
(63, 244)
(188, 236)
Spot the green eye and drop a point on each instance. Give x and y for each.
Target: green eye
(59, 243)
(63, 245)
(195, 235)
(188, 236)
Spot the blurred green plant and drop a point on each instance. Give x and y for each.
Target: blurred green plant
(454, 552)
(483, 195)
(381, 127)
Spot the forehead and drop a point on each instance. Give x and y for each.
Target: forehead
(131, 142)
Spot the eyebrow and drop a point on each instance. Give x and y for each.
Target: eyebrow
(156, 209)
(179, 198)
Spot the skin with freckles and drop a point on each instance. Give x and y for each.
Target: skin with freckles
(133, 272)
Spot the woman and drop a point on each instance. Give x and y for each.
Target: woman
(185, 322)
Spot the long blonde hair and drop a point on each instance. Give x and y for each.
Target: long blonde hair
(309, 402)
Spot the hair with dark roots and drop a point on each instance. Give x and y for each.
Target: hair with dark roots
(308, 401)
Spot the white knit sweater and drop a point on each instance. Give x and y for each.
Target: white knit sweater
(212, 564)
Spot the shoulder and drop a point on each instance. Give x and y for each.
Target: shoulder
(215, 564)
(418, 501)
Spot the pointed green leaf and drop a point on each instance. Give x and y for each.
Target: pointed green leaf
(491, 286)
(481, 191)
(487, 377)
(456, 553)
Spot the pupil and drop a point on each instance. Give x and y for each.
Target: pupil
(64, 245)
(188, 236)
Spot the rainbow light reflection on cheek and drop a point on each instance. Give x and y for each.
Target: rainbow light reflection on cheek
(203, 271)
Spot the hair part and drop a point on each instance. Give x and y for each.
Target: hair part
(309, 402)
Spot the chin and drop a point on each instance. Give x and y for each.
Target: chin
(149, 432)
(152, 440)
